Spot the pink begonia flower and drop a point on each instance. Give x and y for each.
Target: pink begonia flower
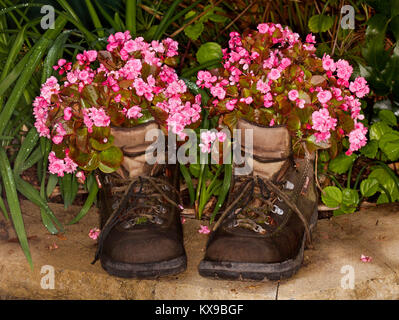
(364, 258)
(205, 148)
(94, 233)
(57, 139)
(357, 138)
(328, 63)
(70, 165)
(99, 117)
(274, 74)
(56, 166)
(247, 100)
(183, 220)
(360, 87)
(323, 122)
(133, 112)
(271, 124)
(344, 69)
(204, 230)
(324, 96)
(221, 136)
(208, 137)
(67, 113)
(300, 103)
(262, 86)
(231, 104)
(81, 177)
(263, 28)
(218, 92)
(310, 38)
(293, 95)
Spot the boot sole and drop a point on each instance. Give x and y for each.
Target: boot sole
(144, 270)
(256, 271)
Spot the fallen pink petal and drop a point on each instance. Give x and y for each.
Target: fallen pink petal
(183, 220)
(365, 258)
(204, 229)
(94, 233)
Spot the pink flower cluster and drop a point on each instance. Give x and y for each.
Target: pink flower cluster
(209, 137)
(131, 75)
(60, 166)
(180, 114)
(95, 117)
(42, 103)
(272, 67)
(323, 123)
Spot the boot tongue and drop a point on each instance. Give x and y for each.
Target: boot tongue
(133, 145)
(271, 147)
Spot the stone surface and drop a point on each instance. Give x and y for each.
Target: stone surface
(338, 242)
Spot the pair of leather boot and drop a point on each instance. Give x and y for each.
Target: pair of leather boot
(262, 233)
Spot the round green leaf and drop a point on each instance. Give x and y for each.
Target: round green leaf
(209, 51)
(193, 31)
(370, 149)
(389, 144)
(110, 159)
(331, 197)
(379, 129)
(388, 117)
(369, 187)
(350, 198)
(342, 163)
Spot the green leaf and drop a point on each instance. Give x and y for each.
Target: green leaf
(388, 117)
(389, 144)
(110, 159)
(369, 187)
(52, 182)
(95, 144)
(342, 163)
(26, 148)
(370, 149)
(193, 31)
(374, 51)
(378, 130)
(195, 169)
(13, 203)
(331, 197)
(228, 173)
(350, 200)
(385, 179)
(320, 23)
(209, 51)
(88, 203)
(383, 198)
(34, 196)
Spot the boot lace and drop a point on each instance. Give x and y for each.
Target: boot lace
(139, 201)
(256, 198)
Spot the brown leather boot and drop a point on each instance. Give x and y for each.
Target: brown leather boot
(141, 234)
(269, 215)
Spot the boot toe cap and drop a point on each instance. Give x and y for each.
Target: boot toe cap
(148, 247)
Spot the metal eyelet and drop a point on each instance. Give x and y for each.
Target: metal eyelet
(259, 229)
(278, 210)
(289, 185)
